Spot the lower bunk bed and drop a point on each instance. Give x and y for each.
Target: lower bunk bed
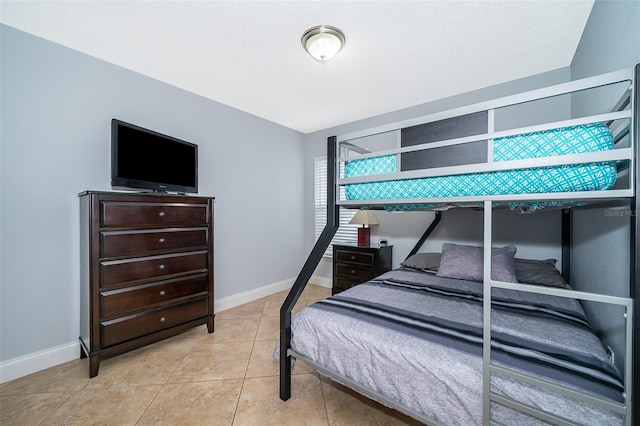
(414, 336)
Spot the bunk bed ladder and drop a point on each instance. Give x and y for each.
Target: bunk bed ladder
(333, 222)
(489, 368)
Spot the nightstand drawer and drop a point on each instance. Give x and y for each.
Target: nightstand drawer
(353, 264)
(132, 326)
(152, 268)
(123, 243)
(355, 272)
(126, 300)
(115, 214)
(345, 283)
(354, 257)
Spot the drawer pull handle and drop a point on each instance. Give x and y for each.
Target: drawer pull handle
(353, 257)
(162, 266)
(162, 240)
(162, 319)
(162, 214)
(353, 271)
(162, 292)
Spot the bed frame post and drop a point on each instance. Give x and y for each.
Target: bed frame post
(635, 251)
(427, 233)
(567, 223)
(333, 221)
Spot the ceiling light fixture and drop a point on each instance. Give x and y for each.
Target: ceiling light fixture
(323, 42)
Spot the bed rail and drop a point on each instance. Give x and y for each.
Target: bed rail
(619, 119)
(432, 226)
(533, 95)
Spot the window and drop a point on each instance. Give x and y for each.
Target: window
(346, 233)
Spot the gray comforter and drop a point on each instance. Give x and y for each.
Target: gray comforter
(417, 339)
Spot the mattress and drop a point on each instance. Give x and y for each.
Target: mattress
(416, 338)
(567, 178)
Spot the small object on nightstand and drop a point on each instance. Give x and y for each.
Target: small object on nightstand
(355, 264)
(382, 243)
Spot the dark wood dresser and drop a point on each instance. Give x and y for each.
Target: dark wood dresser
(354, 264)
(146, 270)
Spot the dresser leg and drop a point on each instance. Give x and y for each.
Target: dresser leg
(210, 325)
(94, 364)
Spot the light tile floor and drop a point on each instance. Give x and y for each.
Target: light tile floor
(225, 378)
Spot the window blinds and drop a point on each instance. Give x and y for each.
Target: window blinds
(346, 233)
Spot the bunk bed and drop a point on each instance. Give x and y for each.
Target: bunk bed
(462, 336)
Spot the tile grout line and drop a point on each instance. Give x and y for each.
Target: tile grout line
(244, 377)
(73, 395)
(177, 364)
(324, 400)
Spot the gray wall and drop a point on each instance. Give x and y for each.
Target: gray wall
(610, 40)
(55, 142)
(600, 253)
(404, 229)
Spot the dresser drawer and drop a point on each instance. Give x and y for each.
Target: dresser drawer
(121, 214)
(151, 268)
(133, 326)
(354, 257)
(354, 272)
(123, 243)
(122, 301)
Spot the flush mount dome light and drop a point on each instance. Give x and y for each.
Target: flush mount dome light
(323, 42)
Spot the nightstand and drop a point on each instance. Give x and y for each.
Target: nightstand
(354, 264)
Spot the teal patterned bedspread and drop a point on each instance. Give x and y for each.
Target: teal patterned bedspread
(563, 141)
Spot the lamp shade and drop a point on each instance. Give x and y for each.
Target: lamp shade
(364, 217)
(323, 42)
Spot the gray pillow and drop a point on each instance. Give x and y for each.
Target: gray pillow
(423, 261)
(465, 263)
(541, 272)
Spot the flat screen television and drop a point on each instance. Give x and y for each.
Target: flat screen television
(142, 158)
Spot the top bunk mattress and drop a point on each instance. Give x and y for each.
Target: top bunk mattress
(564, 178)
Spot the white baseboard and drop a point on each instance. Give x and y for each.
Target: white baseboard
(266, 290)
(321, 281)
(37, 361)
(251, 295)
(47, 358)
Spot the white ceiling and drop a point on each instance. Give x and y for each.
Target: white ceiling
(247, 54)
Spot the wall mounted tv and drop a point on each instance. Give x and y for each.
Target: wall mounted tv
(142, 158)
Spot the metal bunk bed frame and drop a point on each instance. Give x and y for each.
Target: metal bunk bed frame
(632, 315)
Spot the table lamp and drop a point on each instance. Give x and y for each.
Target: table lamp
(366, 219)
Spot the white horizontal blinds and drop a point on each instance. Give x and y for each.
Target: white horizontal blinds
(346, 233)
